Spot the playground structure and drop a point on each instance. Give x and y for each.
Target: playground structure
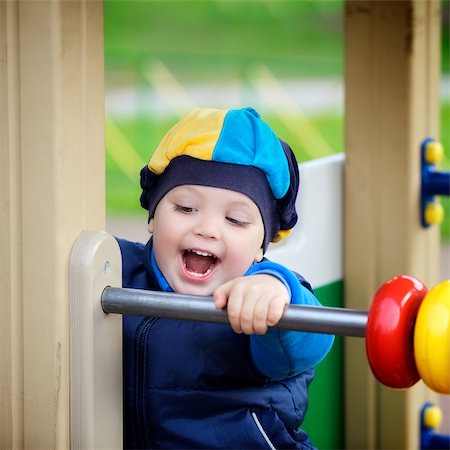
(52, 188)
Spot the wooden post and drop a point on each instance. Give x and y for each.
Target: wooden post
(392, 104)
(51, 188)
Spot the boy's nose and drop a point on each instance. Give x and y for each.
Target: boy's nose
(207, 228)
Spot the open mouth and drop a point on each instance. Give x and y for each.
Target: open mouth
(199, 264)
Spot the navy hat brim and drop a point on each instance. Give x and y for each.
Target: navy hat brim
(185, 170)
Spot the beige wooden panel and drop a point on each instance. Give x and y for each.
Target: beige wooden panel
(95, 345)
(11, 369)
(52, 187)
(392, 88)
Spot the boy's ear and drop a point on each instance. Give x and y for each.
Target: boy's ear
(259, 255)
(150, 226)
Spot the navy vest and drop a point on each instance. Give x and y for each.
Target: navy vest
(193, 385)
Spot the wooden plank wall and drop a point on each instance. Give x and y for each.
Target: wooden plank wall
(392, 71)
(51, 188)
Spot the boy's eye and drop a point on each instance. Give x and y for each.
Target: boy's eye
(237, 222)
(183, 209)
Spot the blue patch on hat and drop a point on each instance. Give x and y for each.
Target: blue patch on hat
(247, 140)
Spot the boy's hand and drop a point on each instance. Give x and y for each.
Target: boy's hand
(253, 303)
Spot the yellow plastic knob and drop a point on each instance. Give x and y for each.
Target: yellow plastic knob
(434, 152)
(432, 417)
(434, 213)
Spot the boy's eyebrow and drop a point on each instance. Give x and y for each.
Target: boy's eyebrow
(184, 187)
(239, 203)
(244, 207)
(180, 191)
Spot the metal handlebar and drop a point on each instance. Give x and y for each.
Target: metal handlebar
(326, 320)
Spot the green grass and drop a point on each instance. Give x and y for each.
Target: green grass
(204, 40)
(122, 189)
(445, 37)
(201, 40)
(445, 165)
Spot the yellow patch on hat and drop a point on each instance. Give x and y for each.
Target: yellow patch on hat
(192, 136)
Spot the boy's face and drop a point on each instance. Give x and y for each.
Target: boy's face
(205, 236)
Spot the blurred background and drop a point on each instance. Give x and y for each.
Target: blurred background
(165, 57)
(285, 58)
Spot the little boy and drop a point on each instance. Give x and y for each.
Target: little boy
(219, 187)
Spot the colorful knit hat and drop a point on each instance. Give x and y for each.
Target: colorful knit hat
(232, 149)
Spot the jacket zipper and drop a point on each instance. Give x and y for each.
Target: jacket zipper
(263, 433)
(140, 382)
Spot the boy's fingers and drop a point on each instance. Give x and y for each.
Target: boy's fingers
(247, 314)
(220, 296)
(260, 316)
(276, 310)
(250, 307)
(230, 294)
(234, 308)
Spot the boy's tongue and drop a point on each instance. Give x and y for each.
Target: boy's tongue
(197, 263)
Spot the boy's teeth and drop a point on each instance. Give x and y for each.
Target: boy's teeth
(198, 275)
(199, 252)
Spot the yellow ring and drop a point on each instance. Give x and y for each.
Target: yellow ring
(432, 338)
